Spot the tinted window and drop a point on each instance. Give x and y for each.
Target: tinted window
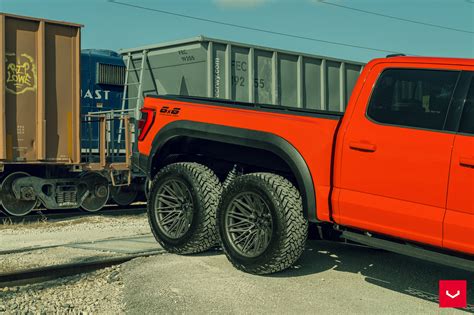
(415, 98)
(467, 119)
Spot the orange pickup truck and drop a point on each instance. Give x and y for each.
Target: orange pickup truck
(395, 171)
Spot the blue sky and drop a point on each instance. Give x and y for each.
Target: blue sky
(113, 26)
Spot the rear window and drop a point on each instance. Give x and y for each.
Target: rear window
(413, 98)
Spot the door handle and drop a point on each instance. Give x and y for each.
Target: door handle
(466, 161)
(362, 146)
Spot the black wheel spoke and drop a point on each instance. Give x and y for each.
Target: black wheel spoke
(174, 208)
(183, 225)
(240, 227)
(170, 191)
(249, 240)
(248, 224)
(169, 218)
(242, 237)
(173, 226)
(168, 199)
(239, 216)
(244, 207)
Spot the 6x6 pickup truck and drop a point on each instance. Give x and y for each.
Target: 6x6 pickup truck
(395, 171)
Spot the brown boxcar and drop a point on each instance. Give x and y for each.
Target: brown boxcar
(40, 101)
(40, 120)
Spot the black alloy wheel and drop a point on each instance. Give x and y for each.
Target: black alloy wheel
(261, 223)
(182, 207)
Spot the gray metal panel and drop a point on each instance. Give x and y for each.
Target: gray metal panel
(204, 39)
(288, 79)
(333, 85)
(299, 88)
(240, 77)
(312, 83)
(253, 84)
(222, 69)
(210, 69)
(263, 72)
(219, 70)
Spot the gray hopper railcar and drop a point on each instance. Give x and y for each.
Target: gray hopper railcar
(208, 67)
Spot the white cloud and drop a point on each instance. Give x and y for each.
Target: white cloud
(241, 4)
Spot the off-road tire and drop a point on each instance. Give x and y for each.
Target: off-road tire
(289, 230)
(205, 190)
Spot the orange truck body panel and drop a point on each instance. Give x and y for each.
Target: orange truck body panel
(317, 152)
(403, 182)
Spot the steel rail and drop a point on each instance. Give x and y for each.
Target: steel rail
(34, 248)
(71, 213)
(42, 274)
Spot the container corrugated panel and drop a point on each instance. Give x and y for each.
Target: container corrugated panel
(39, 90)
(222, 69)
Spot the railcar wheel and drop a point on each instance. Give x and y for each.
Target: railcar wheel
(99, 191)
(182, 207)
(124, 195)
(11, 204)
(261, 223)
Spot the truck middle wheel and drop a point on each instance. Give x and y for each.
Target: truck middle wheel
(182, 207)
(261, 223)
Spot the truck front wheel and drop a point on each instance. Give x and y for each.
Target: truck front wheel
(182, 207)
(261, 223)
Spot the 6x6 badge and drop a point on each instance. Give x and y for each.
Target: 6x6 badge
(166, 110)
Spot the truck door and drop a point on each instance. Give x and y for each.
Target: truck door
(396, 154)
(459, 219)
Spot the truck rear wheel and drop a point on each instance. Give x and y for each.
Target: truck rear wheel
(182, 207)
(261, 223)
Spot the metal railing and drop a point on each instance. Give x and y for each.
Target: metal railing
(105, 153)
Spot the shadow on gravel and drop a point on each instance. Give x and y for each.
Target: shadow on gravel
(391, 271)
(215, 251)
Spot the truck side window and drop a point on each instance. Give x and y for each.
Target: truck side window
(411, 97)
(467, 119)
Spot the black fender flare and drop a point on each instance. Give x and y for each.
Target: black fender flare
(248, 138)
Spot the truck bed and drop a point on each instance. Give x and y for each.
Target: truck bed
(288, 123)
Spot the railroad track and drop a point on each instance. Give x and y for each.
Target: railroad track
(124, 248)
(47, 215)
(75, 245)
(35, 275)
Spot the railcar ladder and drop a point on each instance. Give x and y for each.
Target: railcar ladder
(139, 97)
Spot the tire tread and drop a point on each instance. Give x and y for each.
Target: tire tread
(208, 189)
(288, 202)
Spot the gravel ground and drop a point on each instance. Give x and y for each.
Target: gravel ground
(83, 229)
(49, 257)
(330, 278)
(99, 292)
